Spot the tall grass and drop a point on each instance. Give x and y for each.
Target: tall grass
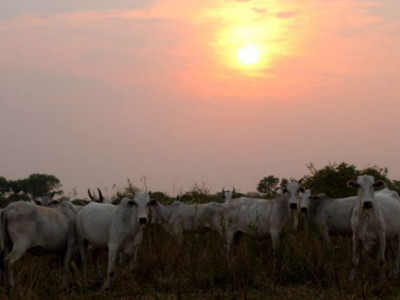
(303, 268)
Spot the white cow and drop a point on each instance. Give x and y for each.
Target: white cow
(228, 195)
(260, 218)
(329, 216)
(45, 200)
(388, 192)
(374, 217)
(180, 217)
(117, 228)
(26, 226)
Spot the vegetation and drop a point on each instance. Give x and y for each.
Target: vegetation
(22, 189)
(302, 269)
(332, 179)
(270, 186)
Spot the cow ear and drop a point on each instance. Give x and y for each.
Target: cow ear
(153, 203)
(314, 197)
(284, 190)
(302, 190)
(379, 184)
(352, 183)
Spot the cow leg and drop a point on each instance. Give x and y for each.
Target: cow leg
(83, 253)
(229, 241)
(96, 260)
(67, 260)
(112, 257)
(355, 260)
(326, 237)
(381, 254)
(136, 243)
(16, 253)
(179, 238)
(396, 256)
(275, 239)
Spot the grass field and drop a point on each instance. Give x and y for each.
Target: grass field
(303, 269)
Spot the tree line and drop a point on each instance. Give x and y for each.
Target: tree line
(330, 180)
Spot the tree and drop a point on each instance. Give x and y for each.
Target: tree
(270, 185)
(36, 184)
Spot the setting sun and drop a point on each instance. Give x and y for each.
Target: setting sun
(249, 54)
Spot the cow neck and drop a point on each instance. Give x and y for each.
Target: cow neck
(284, 209)
(165, 211)
(316, 206)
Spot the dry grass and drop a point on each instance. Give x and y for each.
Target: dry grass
(199, 270)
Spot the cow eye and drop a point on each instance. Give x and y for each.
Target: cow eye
(152, 203)
(132, 203)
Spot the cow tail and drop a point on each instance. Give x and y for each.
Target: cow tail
(5, 237)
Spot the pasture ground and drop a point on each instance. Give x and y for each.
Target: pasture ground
(304, 269)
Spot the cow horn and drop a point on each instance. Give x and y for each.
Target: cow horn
(90, 195)
(101, 198)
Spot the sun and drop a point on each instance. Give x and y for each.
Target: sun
(248, 54)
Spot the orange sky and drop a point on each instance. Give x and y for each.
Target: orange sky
(99, 94)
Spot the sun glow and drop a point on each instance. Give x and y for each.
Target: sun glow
(249, 54)
(248, 42)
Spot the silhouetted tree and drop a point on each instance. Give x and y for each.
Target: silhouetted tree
(270, 186)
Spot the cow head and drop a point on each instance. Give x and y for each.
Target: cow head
(366, 185)
(46, 200)
(228, 195)
(141, 203)
(291, 191)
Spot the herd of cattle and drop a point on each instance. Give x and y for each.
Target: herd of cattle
(118, 228)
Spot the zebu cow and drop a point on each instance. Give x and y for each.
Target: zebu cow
(26, 226)
(113, 227)
(260, 218)
(330, 216)
(387, 192)
(374, 217)
(180, 217)
(228, 195)
(45, 200)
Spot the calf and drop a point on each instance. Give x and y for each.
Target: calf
(118, 228)
(25, 226)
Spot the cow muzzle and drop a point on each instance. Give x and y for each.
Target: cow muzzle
(304, 209)
(367, 204)
(293, 205)
(142, 221)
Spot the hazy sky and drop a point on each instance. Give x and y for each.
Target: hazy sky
(96, 92)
